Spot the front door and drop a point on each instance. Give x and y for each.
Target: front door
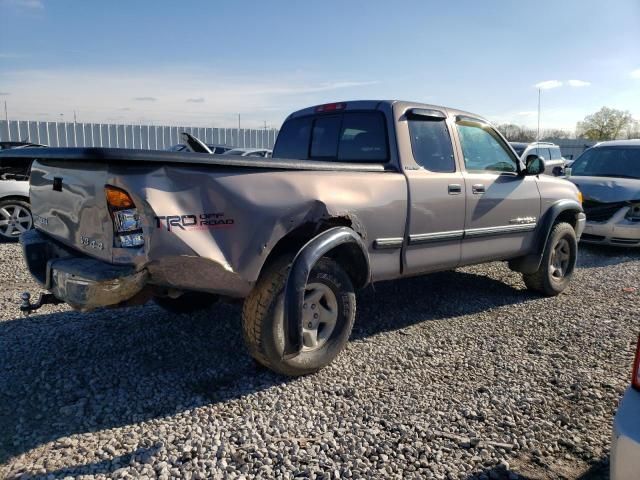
(503, 207)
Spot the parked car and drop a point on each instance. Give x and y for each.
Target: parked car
(625, 446)
(608, 175)
(549, 152)
(250, 152)
(359, 192)
(15, 212)
(217, 149)
(6, 145)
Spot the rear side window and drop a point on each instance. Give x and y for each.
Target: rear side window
(431, 145)
(555, 153)
(346, 137)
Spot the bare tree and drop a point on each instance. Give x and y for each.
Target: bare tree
(605, 124)
(517, 133)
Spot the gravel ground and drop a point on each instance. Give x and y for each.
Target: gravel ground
(454, 375)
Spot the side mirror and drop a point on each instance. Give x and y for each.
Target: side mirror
(567, 172)
(558, 171)
(535, 165)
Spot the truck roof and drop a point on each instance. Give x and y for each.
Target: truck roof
(375, 104)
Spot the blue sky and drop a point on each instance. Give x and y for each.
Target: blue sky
(202, 62)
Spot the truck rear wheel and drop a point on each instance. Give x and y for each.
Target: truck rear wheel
(328, 313)
(558, 262)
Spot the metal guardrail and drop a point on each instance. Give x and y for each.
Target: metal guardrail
(153, 137)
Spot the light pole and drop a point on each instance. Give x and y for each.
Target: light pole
(539, 94)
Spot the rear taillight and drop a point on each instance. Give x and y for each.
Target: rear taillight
(635, 374)
(127, 229)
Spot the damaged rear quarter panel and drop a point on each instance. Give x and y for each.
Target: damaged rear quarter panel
(254, 209)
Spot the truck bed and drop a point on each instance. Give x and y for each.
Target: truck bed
(126, 155)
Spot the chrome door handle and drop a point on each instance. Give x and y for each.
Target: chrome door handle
(455, 189)
(478, 188)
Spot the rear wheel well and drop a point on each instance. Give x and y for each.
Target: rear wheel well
(349, 256)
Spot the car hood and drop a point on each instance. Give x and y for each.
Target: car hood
(608, 189)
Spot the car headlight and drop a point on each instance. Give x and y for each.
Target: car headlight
(634, 213)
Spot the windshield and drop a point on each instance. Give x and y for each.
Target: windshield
(622, 162)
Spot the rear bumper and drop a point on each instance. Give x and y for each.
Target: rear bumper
(83, 282)
(625, 445)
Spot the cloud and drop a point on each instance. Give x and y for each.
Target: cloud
(528, 113)
(5, 55)
(32, 4)
(635, 73)
(106, 92)
(4, 94)
(548, 84)
(195, 100)
(578, 83)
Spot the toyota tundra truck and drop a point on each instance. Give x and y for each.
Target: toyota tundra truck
(356, 193)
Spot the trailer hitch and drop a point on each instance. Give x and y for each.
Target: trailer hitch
(26, 307)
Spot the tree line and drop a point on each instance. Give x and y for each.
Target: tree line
(605, 124)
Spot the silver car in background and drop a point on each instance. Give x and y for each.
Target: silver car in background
(549, 152)
(15, 212)
(608, 175)
(625, 447)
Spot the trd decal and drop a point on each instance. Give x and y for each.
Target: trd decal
(202, 221)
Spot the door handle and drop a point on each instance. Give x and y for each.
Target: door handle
(455, 189)
(478, 188)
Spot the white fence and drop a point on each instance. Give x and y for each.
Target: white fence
(154, 137)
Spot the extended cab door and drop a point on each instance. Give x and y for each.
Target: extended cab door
(436, 192)
(502, 206)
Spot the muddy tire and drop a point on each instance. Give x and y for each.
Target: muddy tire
(558, 262)
(328, 317)
(189, 302)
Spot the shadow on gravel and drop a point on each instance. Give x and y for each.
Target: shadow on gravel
(591, 256)
(70, 373)
(531, 470)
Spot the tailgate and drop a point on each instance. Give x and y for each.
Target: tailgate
(68, 202)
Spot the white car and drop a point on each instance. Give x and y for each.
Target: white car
(550, 152)
(250, 152)
(15, 212)
(625, 447)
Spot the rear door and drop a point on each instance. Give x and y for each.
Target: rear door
(502, 207)
(436, 191)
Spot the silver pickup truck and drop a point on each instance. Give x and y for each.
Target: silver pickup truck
(356, 192)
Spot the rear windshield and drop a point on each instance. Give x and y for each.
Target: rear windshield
(343, 137)
(618, 162)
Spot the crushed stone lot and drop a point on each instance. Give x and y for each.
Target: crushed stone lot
(457, 375)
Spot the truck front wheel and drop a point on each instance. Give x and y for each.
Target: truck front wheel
(328, 315)
(558, 262)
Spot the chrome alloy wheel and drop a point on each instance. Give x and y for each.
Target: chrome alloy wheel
(319, 316)
(14, 220)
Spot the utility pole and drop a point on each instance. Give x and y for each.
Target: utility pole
(6, 117)
(539, 92)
